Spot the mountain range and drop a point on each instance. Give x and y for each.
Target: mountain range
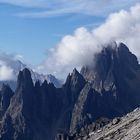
(16, 65)
(107, 88)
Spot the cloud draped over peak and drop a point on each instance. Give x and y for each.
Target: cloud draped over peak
(78, 49)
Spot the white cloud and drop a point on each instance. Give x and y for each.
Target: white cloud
(25, 3)
(9, 66)
(6, 72)
(51, 8)
(77, 49)
(72, 51)
(18, 57)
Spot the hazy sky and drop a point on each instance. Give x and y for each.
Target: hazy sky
(30, 27)
(38, 30)
(32, 36)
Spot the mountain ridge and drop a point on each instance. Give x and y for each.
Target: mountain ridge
(17, 66)
(39, 111)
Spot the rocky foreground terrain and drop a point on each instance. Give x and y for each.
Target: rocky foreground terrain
(119, 128)
(125, 128)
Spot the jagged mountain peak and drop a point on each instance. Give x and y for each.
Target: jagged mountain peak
(76, 77)
(25, 73)
(17, 65)
(109, 64)
(38, 112)
(24, 79)
(75, 72)
(122, 47)
(45, 83)
(75, 80)
(37, 84)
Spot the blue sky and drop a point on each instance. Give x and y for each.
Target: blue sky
(31, 37)
(31, 27)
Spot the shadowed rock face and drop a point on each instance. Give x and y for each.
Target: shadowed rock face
(114, 87)
(111, 65)
(107, 88)
(73, 85)
(33, 110)
(5, 97)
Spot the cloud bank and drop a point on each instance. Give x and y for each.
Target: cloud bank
(78, 49)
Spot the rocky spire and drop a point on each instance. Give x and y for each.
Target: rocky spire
(74, 84)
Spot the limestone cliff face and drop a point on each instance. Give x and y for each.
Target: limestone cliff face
(107, 88)
(113, 86)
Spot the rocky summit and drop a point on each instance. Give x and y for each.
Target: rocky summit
(90, 104)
